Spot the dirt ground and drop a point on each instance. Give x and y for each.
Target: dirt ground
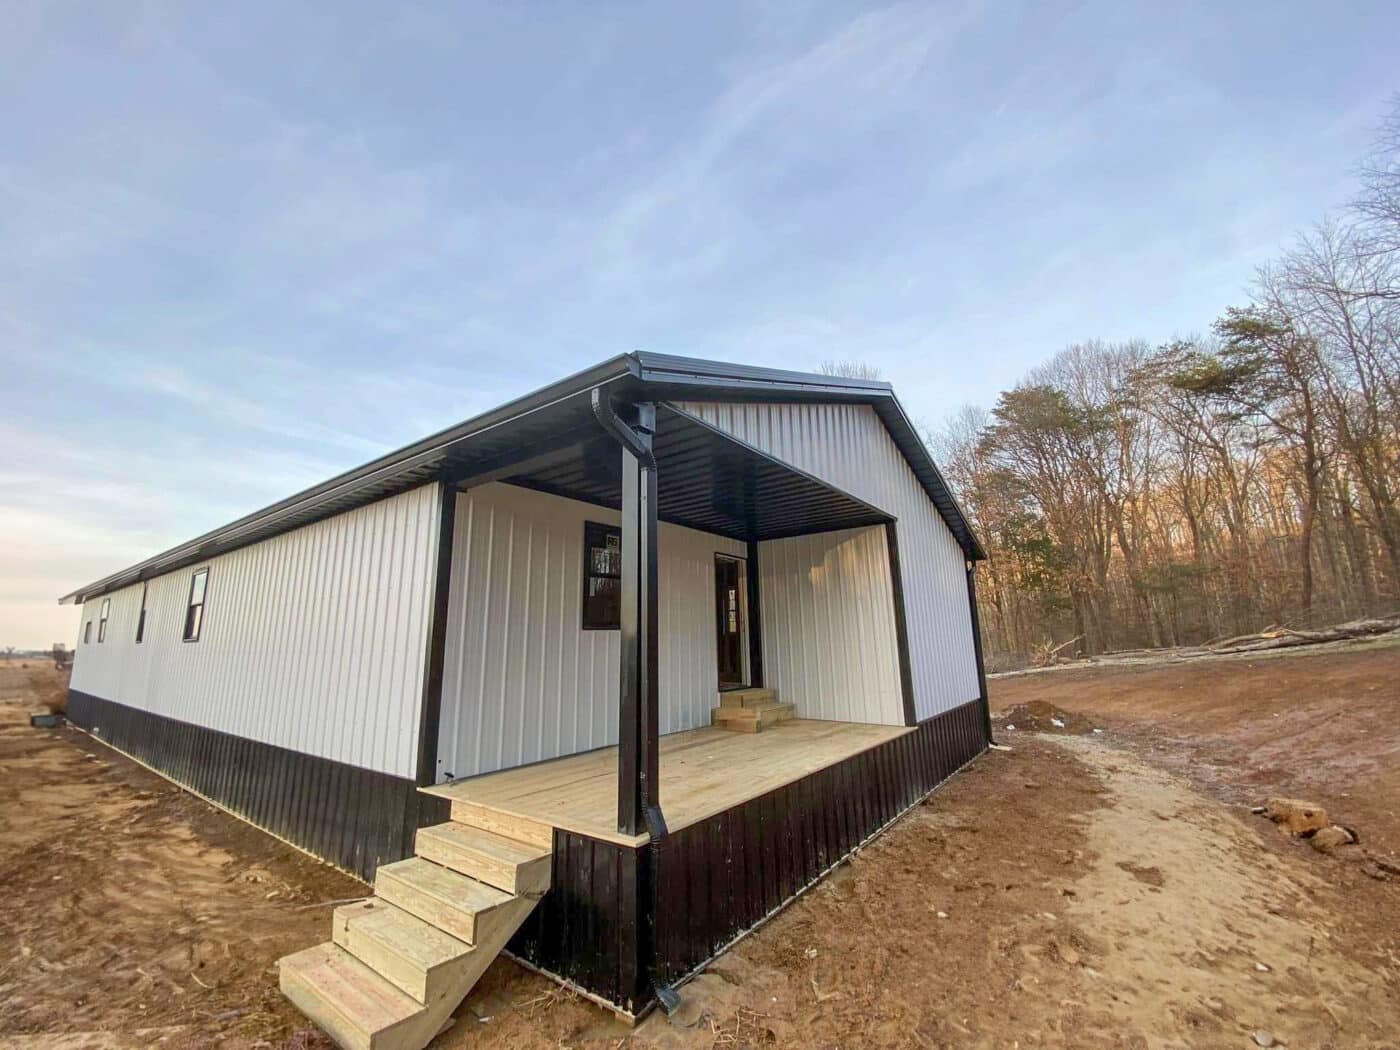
(1325, 725)
(1080, 890)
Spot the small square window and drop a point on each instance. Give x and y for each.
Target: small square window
(602, 576)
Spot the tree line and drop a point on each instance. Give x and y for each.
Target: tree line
(1134, 495)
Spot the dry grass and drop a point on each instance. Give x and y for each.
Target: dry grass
(50, 688)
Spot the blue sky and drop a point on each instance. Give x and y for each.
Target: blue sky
(243, 247)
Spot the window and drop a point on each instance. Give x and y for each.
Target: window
(102, 620)
(194, 613)
(87, 632)
(141, 619)
(602, 576)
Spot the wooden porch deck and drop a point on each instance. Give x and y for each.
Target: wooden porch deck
(703, 772)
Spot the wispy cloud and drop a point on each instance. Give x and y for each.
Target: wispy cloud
(238, 255)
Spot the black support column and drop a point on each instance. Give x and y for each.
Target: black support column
(638, 768)
(633, 426)
(755, 618)
(977, 647)
(638, 755)
(901, 626)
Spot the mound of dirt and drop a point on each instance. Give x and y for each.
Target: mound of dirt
(1041, 716)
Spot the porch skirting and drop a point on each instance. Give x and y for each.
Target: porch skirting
(722, 876)
(353, 818)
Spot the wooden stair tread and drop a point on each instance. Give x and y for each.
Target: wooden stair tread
(439, 896)
(747, 697)
(763, 710)
(522, 829)
(479, 840)
(399, 963)
(752, 719)
(343, 995)
(406, 950)
(506, 863)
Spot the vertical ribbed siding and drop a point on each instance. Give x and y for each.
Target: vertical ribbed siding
(312, 641)
(848, 446)
(829, 642)
(522, 681)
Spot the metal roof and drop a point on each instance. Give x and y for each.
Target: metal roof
(520, 439)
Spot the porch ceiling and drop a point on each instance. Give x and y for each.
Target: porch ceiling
(705, 480)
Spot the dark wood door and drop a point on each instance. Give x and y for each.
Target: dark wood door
(729, 622)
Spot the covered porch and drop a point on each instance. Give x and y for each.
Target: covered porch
(675, 837)
(703, 772)
(659, 468)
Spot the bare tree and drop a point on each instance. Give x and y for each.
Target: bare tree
(1378, 204)
(849, 369)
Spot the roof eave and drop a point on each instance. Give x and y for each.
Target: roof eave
(620, 367)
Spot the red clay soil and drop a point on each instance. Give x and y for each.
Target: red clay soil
(1325, 726)
(1067, 893)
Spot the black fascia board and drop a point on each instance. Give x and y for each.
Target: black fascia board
(687, 379)
(629, 376)
(399, 471)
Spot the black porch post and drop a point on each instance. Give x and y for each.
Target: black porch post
(755, 618)
(638, 757)
(977, 647)
(901, 626)
(638, 766)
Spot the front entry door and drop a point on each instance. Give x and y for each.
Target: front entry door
(729, 621)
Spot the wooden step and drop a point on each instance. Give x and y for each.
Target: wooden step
(508, 864)
(413, 955)
(751, 719)
(454, 904)
(512, 827)
(355, 1006)
(747, 697)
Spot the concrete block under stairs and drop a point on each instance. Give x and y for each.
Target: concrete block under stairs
(399, 963)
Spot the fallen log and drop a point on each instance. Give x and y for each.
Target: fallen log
(1284, 637)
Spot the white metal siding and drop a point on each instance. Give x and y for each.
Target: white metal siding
(829, 643)
(313, 640)
(522, 681)
(848, 446)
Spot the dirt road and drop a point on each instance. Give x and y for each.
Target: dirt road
(1073, 892)
(1325, 725)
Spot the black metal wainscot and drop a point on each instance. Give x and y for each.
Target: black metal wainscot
(723, 876)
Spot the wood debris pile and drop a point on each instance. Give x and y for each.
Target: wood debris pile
(1275, 636)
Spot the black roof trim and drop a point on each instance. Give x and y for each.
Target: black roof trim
(686, 378)
(657, 376)
(399, 471)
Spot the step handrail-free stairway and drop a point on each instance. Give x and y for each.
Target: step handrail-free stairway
(399, 963)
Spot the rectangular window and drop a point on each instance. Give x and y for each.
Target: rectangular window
(87, 632)
(141, 619)
(194, 613)
(602, 576)
(102, 620)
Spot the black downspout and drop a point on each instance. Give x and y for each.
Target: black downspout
(638, 767)
(430, 706)
(977, 648)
